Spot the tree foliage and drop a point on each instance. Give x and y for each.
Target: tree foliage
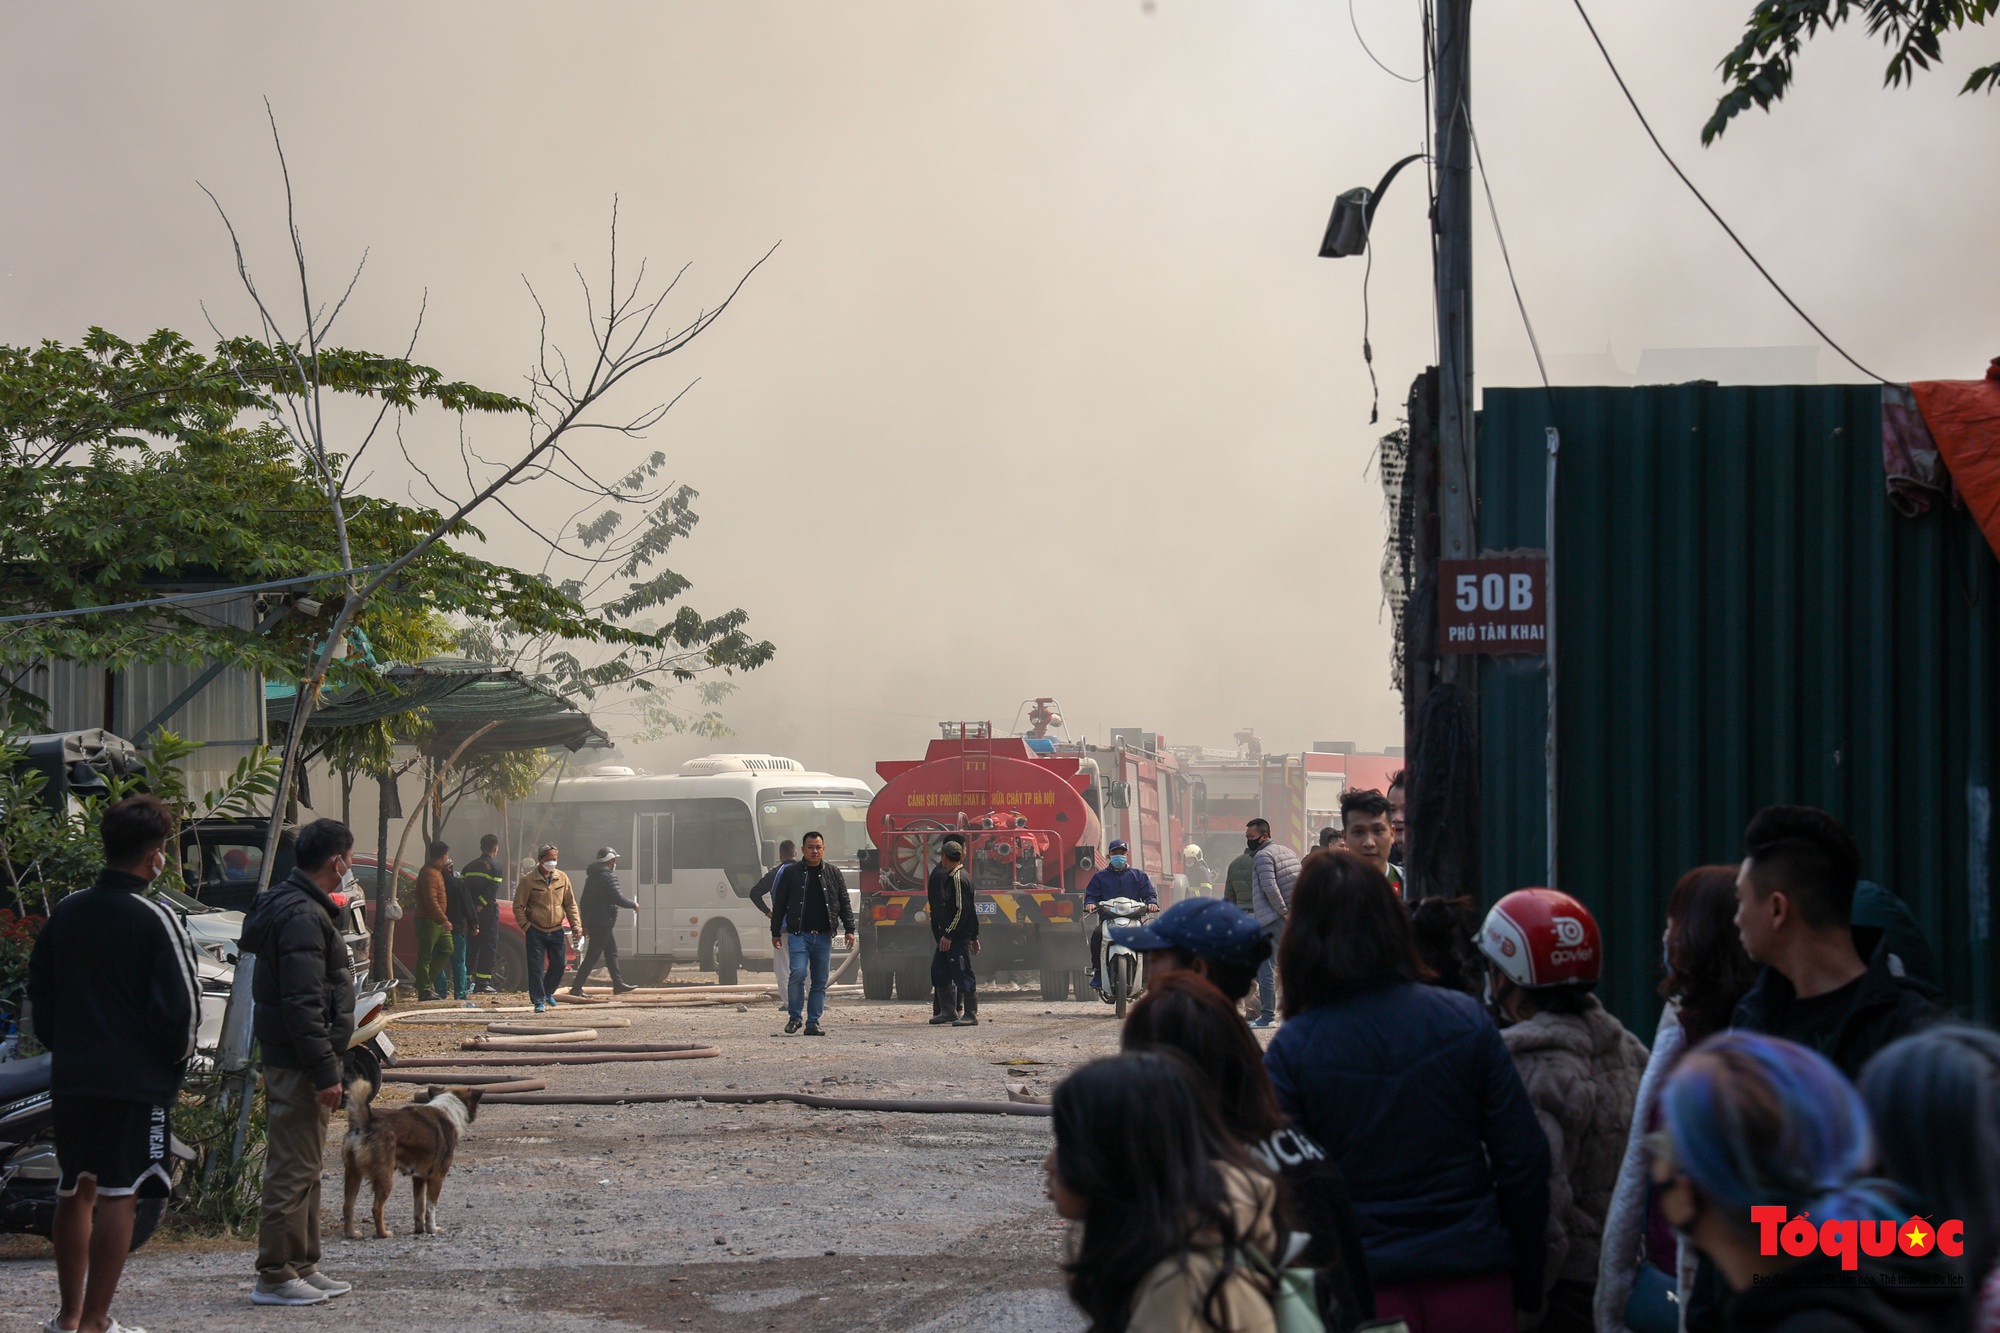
(126, 467)
(1759, 69)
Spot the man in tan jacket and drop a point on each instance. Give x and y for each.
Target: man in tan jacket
(543, 905)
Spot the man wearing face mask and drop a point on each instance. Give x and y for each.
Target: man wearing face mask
(304, 1018)
(1120, 879)
(112, 985)
(544, 904)
(1274, 869)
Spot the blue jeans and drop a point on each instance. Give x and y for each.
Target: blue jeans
(1267, 978)
(810, 950)
(548, 954)
(451, 978)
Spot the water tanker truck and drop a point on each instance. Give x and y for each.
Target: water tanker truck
(1032, 812)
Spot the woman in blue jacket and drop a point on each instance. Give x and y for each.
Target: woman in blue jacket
(1411, 1090)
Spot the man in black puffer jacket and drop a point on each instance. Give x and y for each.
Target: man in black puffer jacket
(602, 897)
(305, 1016)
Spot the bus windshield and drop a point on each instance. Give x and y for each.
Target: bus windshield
(843, 823)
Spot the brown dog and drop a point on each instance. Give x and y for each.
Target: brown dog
(418, 1140)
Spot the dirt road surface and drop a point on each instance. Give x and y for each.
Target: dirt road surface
(696, 1215)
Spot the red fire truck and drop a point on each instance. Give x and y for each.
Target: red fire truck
(1034, 812)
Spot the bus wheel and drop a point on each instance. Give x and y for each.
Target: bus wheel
(728, 953)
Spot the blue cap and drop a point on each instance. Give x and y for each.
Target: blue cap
(1118, 845)
(1208, 927)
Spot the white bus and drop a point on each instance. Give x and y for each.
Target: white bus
(692, 844)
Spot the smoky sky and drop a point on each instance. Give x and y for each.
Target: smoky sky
(1045, 391)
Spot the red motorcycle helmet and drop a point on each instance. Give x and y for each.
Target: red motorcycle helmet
(1539, 937)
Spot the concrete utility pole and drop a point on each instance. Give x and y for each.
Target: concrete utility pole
(1452, 62)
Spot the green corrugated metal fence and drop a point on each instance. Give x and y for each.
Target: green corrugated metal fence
(1742, 619)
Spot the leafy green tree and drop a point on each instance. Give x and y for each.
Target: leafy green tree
(1759, 69)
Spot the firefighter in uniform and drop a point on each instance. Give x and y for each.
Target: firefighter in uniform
(483, 878)
(954, 918)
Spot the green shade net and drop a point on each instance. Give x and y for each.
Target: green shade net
(458, 696)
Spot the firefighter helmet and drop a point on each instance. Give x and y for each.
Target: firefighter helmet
(1539, 937)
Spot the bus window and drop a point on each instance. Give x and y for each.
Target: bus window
(715, 833)
(844, 824)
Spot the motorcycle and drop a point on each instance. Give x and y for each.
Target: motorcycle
(369, 1050)
(1121, 972)
(28, 1170)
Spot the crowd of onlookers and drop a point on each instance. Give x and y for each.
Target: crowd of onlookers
(1450, 1132)
(1447, 1132)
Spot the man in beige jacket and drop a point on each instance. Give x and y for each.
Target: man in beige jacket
(543, 905)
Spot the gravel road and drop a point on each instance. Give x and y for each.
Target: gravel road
(697, 1215)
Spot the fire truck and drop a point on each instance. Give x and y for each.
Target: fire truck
(1034, 812)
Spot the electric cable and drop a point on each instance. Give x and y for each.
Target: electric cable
(1371, 54)
(1693, 189)
(1493, 212)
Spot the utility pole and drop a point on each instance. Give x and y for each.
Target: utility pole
(1452, 61)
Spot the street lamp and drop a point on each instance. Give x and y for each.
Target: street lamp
(1354, 213)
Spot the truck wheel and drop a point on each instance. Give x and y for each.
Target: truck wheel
(877, 984)
(510, 965)
(728, 952)
(1055, 985)
(913, 985)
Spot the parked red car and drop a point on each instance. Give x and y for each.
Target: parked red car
(510, 966)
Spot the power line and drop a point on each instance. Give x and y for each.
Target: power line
(1727, 229)
(1371, 54)
(209, 595)
(1486, 184)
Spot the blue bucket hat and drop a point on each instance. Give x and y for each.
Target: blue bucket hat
(1208, 927)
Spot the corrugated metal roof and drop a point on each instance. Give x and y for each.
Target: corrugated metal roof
(1742, 620)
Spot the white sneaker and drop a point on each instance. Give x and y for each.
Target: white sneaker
(332, 1288)
(292, 1291)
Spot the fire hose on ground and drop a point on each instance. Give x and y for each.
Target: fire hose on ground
(918, 1105)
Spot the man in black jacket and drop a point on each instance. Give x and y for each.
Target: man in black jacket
(487, 883)
(1795, 903)
(602, 897)
(953, 909)
(1794, 910)
(115, 998)
(305, 1016)
(806, 900)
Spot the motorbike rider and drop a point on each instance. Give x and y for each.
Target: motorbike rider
(1120, 879)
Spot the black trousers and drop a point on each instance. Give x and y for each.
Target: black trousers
(602, 945)
(486, 944)
(952, 967)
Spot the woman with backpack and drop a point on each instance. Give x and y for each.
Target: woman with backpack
(1183, 1013)
(1176, 1224)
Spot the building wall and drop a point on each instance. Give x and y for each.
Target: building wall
(1742, 620)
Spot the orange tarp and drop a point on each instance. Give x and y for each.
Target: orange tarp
(1964, 419)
